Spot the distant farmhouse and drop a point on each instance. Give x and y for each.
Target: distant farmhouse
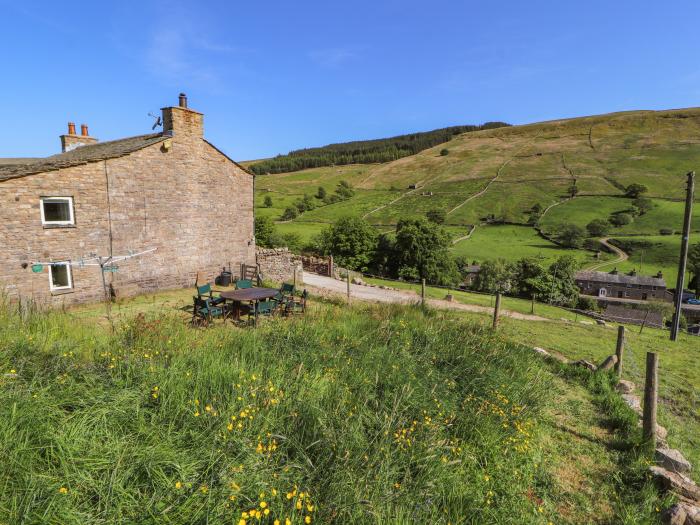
(622, 286)
(172, 195)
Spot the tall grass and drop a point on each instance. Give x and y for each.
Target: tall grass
(377, 415)
(381, 414)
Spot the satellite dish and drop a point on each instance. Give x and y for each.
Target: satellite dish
(158, 121)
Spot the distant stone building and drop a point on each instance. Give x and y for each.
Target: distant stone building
(622, 286)
(172, 193)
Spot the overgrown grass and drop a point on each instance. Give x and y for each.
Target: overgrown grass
(368, 415)
(374, 416)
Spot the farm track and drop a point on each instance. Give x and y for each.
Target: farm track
(329, 286)
(621, 255)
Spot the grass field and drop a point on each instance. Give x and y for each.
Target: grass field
(515, 242)
(362, 415)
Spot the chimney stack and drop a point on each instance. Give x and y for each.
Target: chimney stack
(181, 121)
(71, 140)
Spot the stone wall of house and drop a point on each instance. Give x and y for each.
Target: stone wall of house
(280, 265)
(188, 201)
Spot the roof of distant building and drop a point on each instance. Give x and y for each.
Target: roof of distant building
(82, 155)
(620, 278)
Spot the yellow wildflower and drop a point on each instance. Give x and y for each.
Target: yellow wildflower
(178, 485)
(63, 490)
(307, 519)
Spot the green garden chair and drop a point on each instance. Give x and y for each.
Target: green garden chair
(205, 292)
(244, 283)
(204, 311)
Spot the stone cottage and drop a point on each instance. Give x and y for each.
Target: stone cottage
(174, 204)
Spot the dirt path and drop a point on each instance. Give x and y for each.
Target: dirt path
(621, 256)
(329, 286)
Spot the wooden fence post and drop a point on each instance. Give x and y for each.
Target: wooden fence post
(620, 350)
(650, 398)
(348, 281)
(330, 266)
(497, 310)
(422, 293)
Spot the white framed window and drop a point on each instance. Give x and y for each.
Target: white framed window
(60, 276)
(57, 211)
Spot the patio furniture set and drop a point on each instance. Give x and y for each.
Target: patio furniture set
(246, 303)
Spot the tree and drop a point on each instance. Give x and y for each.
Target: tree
(444, 152)
(264, 231)
(620, 219)
(422, 251)
(573, 190)
(436, 216)
(344, 190)
(524, 271)
(598, 227)
(352, 241)
(268, 201)
(558, 284)
(694, 265)
(643, 205)
(290, 213)
(321, 193)
(635, 190)
(571, 236)
(495, 276)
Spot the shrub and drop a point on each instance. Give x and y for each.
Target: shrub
(620, 219)
(290, 213)
(436, 216)
(571, 236)
(321, 193)
(598, 227)
(444, 152)
(635, 190)
(268, 201)
(587, 304)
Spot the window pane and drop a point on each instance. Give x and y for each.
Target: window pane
(56, 211)
(59, 276)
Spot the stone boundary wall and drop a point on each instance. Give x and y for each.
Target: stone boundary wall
(279, 265)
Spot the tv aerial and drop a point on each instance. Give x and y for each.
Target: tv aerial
(158, 121)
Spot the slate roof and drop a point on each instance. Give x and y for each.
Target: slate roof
(620, 278)
(81, 155)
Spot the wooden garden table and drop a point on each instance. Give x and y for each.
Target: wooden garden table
(247, 295)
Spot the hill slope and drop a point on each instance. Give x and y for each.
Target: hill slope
(502, 173)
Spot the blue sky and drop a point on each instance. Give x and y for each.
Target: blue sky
(277, 75)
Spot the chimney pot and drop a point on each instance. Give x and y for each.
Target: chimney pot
(71, 128)
(84, 130)
(183, 100)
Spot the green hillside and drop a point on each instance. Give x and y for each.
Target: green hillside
(498, 175)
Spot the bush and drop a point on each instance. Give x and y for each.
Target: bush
(587, 304)
(436, 216)
(321, 193)
(290, 213)
(642, 205)
(571, 236)
(268, 201)
(620, 219)
(598, 227)
(635, 190)
(444, 152)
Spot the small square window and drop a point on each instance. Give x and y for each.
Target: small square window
(57, 211)
(60, 277)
